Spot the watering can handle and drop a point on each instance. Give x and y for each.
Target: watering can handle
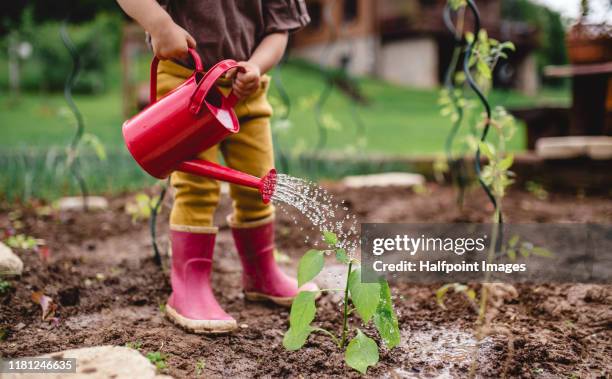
(209, 80)
(153, 89)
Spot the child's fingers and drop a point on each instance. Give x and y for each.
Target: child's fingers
(246, 86)
(191, 42)
(243, 91)
(231, 74)
(247, 80)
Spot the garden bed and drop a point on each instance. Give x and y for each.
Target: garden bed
(100, 269)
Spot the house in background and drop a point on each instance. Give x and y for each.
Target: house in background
(406, 42)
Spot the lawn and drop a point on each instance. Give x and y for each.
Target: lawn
(397, 120)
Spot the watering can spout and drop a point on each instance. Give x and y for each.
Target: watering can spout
(266, 185)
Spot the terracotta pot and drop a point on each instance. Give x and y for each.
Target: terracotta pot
(589, 44)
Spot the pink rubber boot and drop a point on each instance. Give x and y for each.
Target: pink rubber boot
(261, 277)
(192, 304)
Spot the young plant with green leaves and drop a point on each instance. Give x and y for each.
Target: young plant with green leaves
(481, 55)
(158, 359)
(371, 301)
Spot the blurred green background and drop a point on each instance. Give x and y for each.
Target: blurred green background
(37, 124)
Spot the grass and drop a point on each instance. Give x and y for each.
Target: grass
(397, 120)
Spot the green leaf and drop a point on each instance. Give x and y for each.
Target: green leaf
(440, 293)
(330, 238)
(471, 294)
(487, 149)
(524, 252)
(514, 240)
(310, 266)
(295, 338)
(361, 352)
(508, 45)
(341, 256)
(365, 296)
(469, 37)
(302, 310)
(96, 145)
(302, 313)
(385, 319)
(542, 252)
(506, 163)
(483, 36)
(511, 254)
(484, 69)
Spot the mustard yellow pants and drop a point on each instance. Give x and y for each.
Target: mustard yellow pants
(250, 151)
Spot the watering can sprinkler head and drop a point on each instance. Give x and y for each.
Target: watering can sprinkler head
(268, 186)
(171, 131)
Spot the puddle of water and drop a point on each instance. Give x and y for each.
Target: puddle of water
(439, 352)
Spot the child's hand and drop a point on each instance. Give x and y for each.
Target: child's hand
(170, 40)
(247, 82)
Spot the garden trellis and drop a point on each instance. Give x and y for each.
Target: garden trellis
(72, 156)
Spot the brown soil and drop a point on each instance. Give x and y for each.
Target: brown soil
(101, 273)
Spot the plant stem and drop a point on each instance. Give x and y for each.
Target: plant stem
(484, 293)
(345, 313)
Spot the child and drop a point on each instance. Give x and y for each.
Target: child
(255, 33)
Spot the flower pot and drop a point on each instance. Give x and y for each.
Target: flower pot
(589, 43)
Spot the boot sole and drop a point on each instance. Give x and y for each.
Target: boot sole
(282, 301)
(201, 326)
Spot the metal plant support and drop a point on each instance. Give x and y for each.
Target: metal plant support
(483, 99)
(72, 159)
(153, 222)
(456, 166)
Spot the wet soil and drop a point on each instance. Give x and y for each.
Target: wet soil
(101, 273)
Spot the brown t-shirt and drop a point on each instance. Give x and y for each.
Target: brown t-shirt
(232, 29)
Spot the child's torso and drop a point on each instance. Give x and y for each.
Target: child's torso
(232, 29)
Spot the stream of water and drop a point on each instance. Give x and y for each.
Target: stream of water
(320, 208)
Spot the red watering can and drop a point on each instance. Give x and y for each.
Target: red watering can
(169, 134)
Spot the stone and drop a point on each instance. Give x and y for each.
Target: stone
(399, 179)
(99, 362)
(596, 147)
(600, 148)
(75, 203)
(10, 263)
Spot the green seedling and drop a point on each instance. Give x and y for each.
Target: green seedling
(23, 241)
(469, 293)
(537, 190)
(4, 286)
(158, 359)
(525, 249)
(481, 56)
(141, 206)
(370, 301)
(136, 345)
(199, 367)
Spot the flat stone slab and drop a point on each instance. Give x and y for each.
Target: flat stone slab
(596, 147)
(75, 203)
(398, 179)
(101, 362)
(10, 263)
